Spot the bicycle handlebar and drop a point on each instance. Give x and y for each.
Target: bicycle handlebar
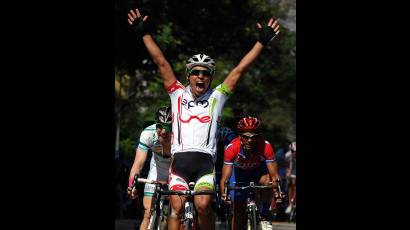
(147, 181)
(170, 192)
(189, 192)
(251, 185)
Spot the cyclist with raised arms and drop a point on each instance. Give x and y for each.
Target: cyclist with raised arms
(196, 110)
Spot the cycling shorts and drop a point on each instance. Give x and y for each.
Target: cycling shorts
(188, 167)
(155, 173)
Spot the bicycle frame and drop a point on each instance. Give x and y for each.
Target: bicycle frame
(156, 216)
(252, 211)
(190, 217)
(252, 214)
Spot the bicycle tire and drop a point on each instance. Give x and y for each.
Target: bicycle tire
(251, 216)
(163, 221)
(188, 224)
(254, 220)
(163, 225)
(228, 223)
(154, 222)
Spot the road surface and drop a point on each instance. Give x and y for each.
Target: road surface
(127, 224)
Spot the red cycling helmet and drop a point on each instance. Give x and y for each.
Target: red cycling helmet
(249, 124)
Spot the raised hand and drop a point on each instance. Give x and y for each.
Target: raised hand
(138, 22)
(269, 32)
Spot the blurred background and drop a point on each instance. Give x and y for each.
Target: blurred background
(222, 29)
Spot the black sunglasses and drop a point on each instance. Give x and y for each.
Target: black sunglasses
(249, 137)
(196, 72)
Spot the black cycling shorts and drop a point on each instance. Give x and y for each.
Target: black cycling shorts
(192, 165)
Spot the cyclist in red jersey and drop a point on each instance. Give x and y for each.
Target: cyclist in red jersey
(247, 158)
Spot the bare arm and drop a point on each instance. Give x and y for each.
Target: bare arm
(140, 157)
(158, 57)
(226, 174)
(234, 76)
(139, 161)
(273, 172)
(155, 52)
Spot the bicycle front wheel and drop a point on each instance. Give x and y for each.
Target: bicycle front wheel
(254, 220)
(163, 220)
(154, 222)
(188, 224)
(252, 223)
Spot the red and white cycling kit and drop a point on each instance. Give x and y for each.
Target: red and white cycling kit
(247, 168)
(234, 155)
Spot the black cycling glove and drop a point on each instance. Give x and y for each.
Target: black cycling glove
(266, 34)
(140, 27)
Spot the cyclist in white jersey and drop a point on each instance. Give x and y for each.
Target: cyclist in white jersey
(157, 138)
(196, 110)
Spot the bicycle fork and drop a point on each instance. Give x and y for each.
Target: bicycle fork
(189, 215)
(252, 210)
(189, 211)
(154, 220)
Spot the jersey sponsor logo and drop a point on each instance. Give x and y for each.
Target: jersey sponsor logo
(244, 163)
(203, 103)
(203, 119)
(247, 165)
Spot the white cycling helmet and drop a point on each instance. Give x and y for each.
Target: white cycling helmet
(201, 60)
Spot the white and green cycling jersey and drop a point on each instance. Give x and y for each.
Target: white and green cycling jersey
(159, 166)
(195, 121)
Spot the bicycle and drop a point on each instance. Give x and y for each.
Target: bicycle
(190, 218)
(252, 211)
(160, 209)
(277, 209)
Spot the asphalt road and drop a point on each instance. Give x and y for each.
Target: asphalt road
(128, 224)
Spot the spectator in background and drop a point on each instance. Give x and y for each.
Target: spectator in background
(291, 174)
